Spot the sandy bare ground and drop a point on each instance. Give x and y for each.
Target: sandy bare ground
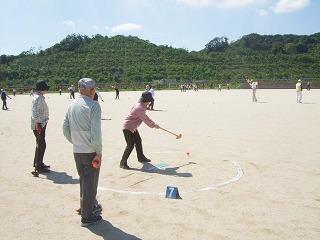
(275, 141)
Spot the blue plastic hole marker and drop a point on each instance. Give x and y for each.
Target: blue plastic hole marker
(173, 193)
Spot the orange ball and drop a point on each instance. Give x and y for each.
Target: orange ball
(95, 164)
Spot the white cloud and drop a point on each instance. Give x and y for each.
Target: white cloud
(263, 12)
(127, 27)
(106, 28)
(217, 3)
(283, 6)
(69, 23)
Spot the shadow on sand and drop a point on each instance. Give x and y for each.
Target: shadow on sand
(170, 171)
(108, 231)
(60, 177)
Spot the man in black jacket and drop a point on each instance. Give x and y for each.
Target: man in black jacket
(4, 99)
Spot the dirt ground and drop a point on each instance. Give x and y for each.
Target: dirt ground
(244, 170)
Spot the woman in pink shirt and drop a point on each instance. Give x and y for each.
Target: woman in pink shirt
(136, 116)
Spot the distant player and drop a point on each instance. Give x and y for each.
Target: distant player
(71, 90)
(151, 90)
(4, 96)
(253, 85)
(116, 88)
(97, 95)
(308, 86)
(299, 91)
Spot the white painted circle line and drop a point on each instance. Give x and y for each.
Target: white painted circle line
(223, 184)
(212, 187)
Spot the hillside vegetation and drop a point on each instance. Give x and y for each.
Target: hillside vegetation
(133, 60)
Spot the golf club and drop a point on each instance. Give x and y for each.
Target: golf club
(177, 135)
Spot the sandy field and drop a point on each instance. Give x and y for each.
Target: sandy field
(252, 172)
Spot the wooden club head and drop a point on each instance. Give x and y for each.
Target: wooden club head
(179, 136)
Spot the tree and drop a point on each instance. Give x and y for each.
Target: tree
(277, 48)
(218, 44)
(3, 59)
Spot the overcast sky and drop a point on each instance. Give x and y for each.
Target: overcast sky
(188, 24)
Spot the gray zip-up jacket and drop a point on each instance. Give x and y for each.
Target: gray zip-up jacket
(82, 125)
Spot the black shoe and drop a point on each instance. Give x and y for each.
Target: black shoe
(124, 166)
(144, 160)
(43, 170)
(45, 166)
(35, 173)
(91, 221)
(97, 209)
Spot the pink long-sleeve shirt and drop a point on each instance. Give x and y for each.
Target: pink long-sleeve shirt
(136, 116)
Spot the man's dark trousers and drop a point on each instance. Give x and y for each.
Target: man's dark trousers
(132, 139)
(151, 104)
(89, 177)
(40, 148)
(4, 105)
(117, 93)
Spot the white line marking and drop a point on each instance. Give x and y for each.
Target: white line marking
(212, 187)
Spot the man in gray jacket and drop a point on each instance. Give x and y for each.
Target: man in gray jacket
(82, 128)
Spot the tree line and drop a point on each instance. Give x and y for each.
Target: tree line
(133, 60)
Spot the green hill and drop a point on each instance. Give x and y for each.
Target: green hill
(133, 60)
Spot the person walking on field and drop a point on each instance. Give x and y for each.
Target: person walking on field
(253, 85)
(97, 95)
(72, 90)
(308, 86)
(136, 116)
(4, 96)
(299, 91)
(151, 90)
(82, 128)
(39, 121)
(116, 88)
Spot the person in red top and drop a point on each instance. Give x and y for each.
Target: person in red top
(136, 116)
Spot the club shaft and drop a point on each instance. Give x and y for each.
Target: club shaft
(169, 131)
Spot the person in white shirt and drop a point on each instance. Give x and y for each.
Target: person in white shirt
(299, 91)
(39, 120)
(253, 85)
